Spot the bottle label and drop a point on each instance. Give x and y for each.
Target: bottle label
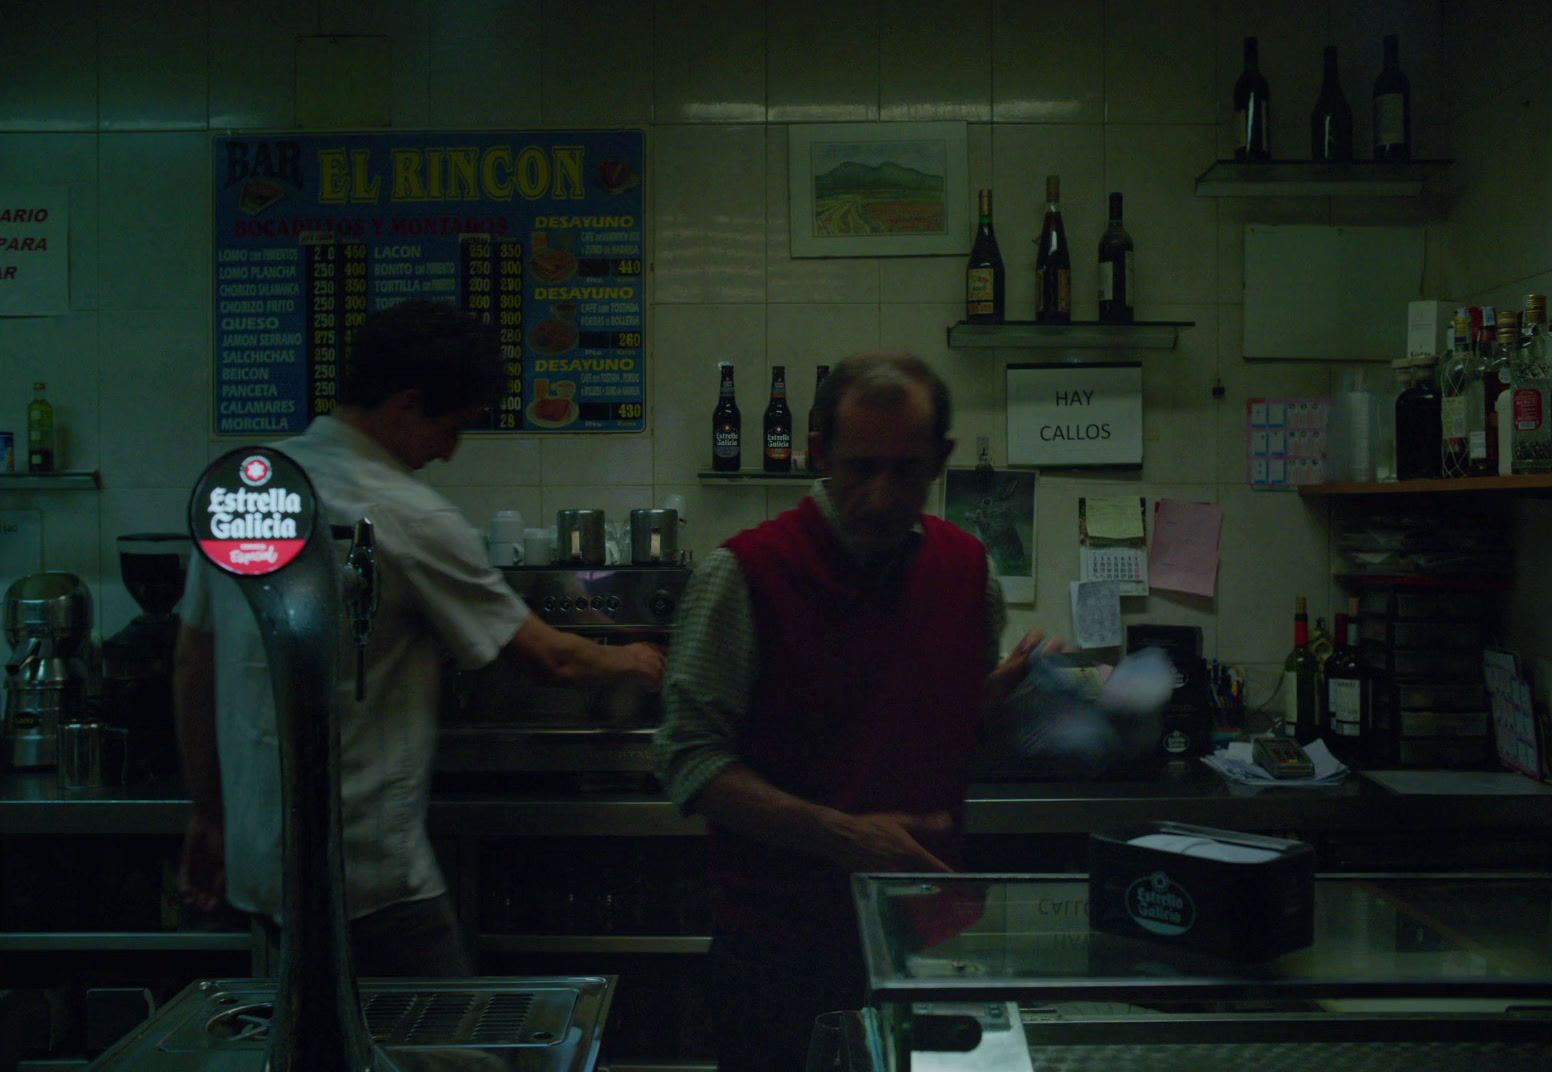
(1389, 119)
(1130, 290)
(1345, 696)
(724, 444)
(979, 291)
(778, 445)
(1107, 276)
(1527, 409)
(1452, 415)
(1115, 280)
(1290, 702)
(1477, 446)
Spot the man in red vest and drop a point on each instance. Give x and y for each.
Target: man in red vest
(825, 688)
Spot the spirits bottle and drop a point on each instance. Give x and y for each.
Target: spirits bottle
(40, 431)
(1117, 279)
(814, 438)
(1299, 681)
(1476, 418)
(1531, 381)
(778, 425)
(1053, 262)
(726, 426)
(1500, 330)
(1419, 425)
(985, 279)
(1347, 695)
(1331, 123)
(1251, 117)
(1392, 108)
(1454, 402)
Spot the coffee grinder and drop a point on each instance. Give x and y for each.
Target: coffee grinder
(137, 660)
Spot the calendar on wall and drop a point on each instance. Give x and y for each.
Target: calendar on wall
(1112, 541)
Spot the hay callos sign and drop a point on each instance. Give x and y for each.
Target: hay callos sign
(1075, 415)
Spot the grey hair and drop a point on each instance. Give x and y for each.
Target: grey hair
(881, 376)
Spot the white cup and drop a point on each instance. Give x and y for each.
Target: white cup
(506, 526)
(503, 552)
(537, 546)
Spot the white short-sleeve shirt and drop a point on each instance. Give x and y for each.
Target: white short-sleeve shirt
(438, 594)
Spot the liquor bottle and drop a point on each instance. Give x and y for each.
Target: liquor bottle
(1454, 400)
(1531, 384)
(40, 431)
(778, 425)
(985, 279)
(1476, 418)
(1117, 280)
(1419, 425)
(726, 426)
(1392, 109)
(1251, 118)
(1333, 661)
(1347, 696)
(1299, 681)
(1331, 123)
(814, 449)
(1053, 262)
(1500, 338)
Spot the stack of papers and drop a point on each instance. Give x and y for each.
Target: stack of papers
(1234, 762)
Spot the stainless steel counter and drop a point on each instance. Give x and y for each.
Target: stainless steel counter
(31, 803)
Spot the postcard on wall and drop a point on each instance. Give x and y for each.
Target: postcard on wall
(997, 506)
(1285, 442)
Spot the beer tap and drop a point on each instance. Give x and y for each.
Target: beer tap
(362, 591)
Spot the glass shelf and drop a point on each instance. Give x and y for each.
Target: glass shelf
(1309, 178)
(124, 941)
(754, 478)
(1531, 483)
(1078, 335)
(69, 480)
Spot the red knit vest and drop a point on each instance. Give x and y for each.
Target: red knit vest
(866, 698)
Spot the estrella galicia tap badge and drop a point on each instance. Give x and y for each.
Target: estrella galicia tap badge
(252, 511)
(1160, 905)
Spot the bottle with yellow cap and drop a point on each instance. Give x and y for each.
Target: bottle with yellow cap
(40, 431)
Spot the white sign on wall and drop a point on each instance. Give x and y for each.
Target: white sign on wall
(1070, 415)
(34, 251)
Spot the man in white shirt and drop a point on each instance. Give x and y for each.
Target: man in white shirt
(420, 373)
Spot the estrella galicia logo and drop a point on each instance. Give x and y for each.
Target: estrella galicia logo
(1156, 904)
(255, 471)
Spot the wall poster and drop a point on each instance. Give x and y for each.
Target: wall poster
(540, 231)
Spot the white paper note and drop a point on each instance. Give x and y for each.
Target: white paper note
(1096, 614)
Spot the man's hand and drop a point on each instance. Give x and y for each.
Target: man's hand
(202, 871)
(1001, 682)
(885, 841)
(644, 664)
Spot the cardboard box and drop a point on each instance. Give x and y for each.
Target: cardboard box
(1237, 910)
(1426, 321)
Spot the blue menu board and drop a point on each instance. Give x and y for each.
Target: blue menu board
(540, 232)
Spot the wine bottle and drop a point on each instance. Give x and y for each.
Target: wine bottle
(778, 425)
(1053, 262)
(726, 426)
(985, 279)
(1117, 292)
(1251, 117)
(1392, 108)
(1348, 715)
(814, 437)
(1331, 123)
(1299, 681)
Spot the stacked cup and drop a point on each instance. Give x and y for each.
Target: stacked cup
(505, 542)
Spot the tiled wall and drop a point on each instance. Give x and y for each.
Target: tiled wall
(116, 101)
(1500, 233)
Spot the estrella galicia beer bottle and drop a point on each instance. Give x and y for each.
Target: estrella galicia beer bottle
(778, 425)
(726, 426)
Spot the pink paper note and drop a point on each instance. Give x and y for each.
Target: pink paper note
(1184, 555)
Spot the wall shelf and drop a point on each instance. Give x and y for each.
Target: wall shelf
(593, 943)
(1531, 484)
(70, 480)
(125, 941)
(757, 478)
(1309, 178)
(1078, 335)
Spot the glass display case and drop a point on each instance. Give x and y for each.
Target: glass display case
(1414, 972)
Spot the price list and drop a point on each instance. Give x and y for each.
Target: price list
(490, 273)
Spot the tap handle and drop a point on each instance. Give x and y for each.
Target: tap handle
(362, 592)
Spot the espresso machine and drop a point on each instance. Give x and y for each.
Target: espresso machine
(48, 621)
(137, 660)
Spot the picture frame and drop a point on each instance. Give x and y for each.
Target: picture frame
(879, 189)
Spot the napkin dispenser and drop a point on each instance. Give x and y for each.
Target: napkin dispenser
(1233, 895)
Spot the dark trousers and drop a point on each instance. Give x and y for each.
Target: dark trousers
(764, 998)
(410, 938)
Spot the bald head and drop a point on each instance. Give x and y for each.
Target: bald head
(883, 379)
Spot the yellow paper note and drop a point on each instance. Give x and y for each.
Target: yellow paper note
(1115, 517)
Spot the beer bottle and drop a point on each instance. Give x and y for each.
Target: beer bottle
(726, 425)
(778, 425)
(813, 422)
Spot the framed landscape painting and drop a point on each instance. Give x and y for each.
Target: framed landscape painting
(879, 189)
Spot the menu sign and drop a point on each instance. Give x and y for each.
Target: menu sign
(539, 232)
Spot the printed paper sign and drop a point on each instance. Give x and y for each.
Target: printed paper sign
(34, 251)
(1075, 415)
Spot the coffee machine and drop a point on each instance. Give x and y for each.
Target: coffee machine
(137, 660)
(48, 621)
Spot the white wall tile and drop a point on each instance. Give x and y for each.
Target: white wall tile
(578, 90)
(823, 60)
(595, 459)
(935, 60)
(1155, 168)
(1244, 380)
(1034, 82)
(68, 160)
(1022, 156)
(489, 460)
(479, 505)
(1159, 61)
(151, 257)
(485, 58)
(707, 61)
(407, 24)
(709, 199)
(615, 500)
(1273, 549)
(62, 352)
(714, 512)
(779, 500)
(804, 279)
(1483, 57)
(72, 534)
(155, 389)
(688, 342)
(152, 74)
(252, 61)
(802, 336)
(344, 82)
(1178, 406)
(49, 54)
(975, 378)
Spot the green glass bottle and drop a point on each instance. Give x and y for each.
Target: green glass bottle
(40, 431)
(1299, 681)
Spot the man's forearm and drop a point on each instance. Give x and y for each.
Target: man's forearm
(745, 803)
(194, 716)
